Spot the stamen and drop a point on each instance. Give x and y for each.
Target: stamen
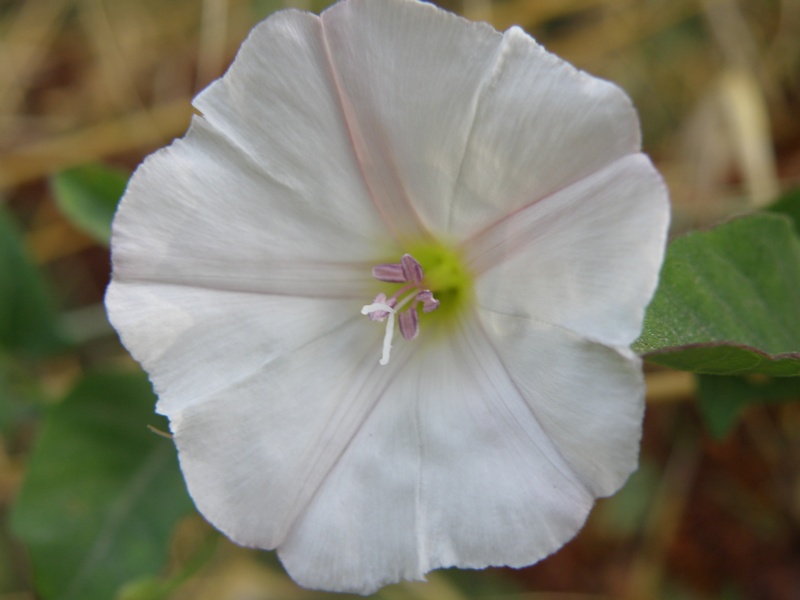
(389, 272)
(410, 272)
(409, 323)
(411, 269)
(380, 315)
(429, 303)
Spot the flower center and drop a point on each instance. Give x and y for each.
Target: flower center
(442, 275)
(402, 303)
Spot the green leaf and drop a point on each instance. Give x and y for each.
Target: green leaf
(102, 492)
(729, 301)
(723, 399)
(28, 321)
(88, 197)
(789, 204)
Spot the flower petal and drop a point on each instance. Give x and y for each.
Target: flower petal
(588, 398)
(195, 343)
(540, 126)
(452, 468)
(201, 213)
(409, 75)
(278, 103)
(586, 258)
(254, 454)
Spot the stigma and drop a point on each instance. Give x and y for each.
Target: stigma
(402, 306)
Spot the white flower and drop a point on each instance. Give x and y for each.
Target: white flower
(243, 258)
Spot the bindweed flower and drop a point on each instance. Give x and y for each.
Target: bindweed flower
(385, 289)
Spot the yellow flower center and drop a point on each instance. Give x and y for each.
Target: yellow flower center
(445, 276)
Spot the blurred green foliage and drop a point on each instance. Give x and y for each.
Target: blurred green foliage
(88, 197)
(723, 399)
(28, 322)
(102, 493)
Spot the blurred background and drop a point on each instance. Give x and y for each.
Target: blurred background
(90, 87)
